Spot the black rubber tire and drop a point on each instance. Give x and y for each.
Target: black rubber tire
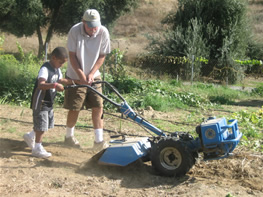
(171, 157)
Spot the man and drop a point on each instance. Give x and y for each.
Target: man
(88, 44)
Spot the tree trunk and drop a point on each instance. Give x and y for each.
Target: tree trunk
(49, 34)
(40, 42)
(52, 25)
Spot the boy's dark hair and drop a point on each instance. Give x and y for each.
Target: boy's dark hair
(60, 53)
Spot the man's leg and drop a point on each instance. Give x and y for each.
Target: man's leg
(71, 122)
(97, 119)
(72, 118)
(73, 101)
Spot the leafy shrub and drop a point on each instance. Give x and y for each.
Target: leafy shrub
(27, 58)
(214, 29)
(251, 124)
(258, 90)
(8, 59)
(204, 86)
(176, 83)
(255, 50)
(16, 80)
(250, 121)
(115, 64)
(2, 40)
(221, 100)
(127, 85)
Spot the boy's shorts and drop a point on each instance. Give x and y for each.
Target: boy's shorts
(79, 98)
(43, 120)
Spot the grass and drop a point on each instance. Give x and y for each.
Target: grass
(250, 82)
(4, 121)
(164, 125)
(12, 130)
(220, 94)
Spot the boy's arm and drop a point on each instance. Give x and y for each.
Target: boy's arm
(69, 81)
(42, 85)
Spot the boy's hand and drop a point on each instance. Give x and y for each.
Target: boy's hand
(59, 87)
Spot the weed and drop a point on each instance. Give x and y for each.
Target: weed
(11, 130)
(4, 121)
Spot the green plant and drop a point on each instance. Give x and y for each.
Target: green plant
(251, 125)
(27, 58)
(258, 90)
(2, 40)
(115, 64)
(230, 195)
(17, 78)
(255, 50)
(161, 103)
(11, 130)
(251, 122)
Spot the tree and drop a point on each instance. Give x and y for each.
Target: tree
(26, 17)
(228, 18)
(222, 30)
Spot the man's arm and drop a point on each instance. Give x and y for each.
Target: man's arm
(76, 66)
(98, 64)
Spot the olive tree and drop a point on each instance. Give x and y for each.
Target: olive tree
(26, 17)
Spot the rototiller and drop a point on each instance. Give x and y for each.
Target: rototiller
(171, 154)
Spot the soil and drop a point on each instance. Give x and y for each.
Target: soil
(71, 172)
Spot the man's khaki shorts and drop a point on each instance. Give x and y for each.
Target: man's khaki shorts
(81, 98)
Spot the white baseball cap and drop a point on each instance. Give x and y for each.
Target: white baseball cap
(92, 18)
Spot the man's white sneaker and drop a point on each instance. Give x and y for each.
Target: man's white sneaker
(40, 152)
(29, 141)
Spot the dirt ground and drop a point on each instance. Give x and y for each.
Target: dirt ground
(69, 171)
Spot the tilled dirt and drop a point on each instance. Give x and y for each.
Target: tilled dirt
(71, 172)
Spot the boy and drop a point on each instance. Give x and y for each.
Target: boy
(47, 84)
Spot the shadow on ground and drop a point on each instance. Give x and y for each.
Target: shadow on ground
(250, 103)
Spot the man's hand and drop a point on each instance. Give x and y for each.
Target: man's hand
(90, 79)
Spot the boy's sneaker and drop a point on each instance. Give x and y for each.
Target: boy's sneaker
(40, 152)
(72, 141)
(100, 146)
(29, 140)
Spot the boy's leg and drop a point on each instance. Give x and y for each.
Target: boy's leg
(43, 120)
(29, 138)
(38, 150)
(39, 136)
